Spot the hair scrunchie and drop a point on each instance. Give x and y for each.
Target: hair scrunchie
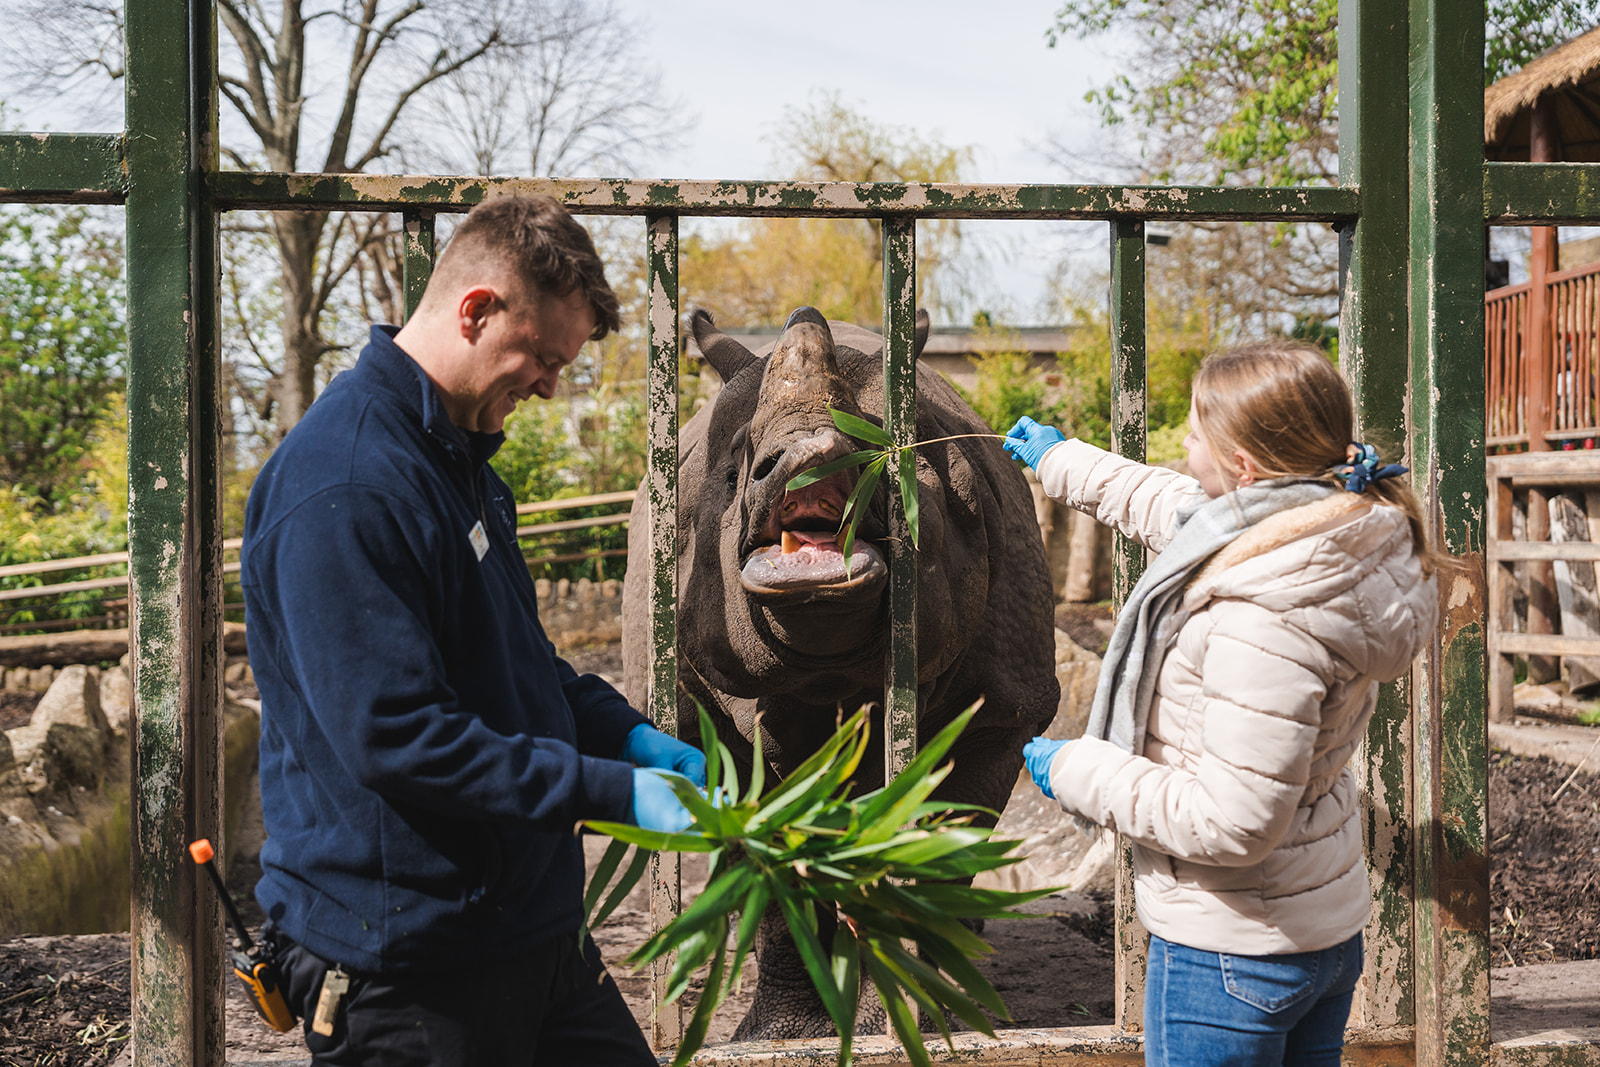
(1363, 468)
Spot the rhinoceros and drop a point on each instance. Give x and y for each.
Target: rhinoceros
(772, 622)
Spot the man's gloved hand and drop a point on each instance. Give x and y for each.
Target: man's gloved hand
(655, 805)
(1037, 756)
(648, 747)
(1028, 441)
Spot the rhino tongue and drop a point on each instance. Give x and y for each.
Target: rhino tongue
(795, 540)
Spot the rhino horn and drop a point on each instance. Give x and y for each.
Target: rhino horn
(804, 362)
(805, 314)
(726, 355)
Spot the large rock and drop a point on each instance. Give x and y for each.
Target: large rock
(116, 698)
(73, 698)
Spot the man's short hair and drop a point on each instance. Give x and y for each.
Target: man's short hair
(542, 245)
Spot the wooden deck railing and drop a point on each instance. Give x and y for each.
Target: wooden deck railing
(1567, 342)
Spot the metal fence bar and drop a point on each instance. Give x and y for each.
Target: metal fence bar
(174, 421)
(928, 200)
(900, 419)
(1449, 744)
(75, 168)
(1540, 192)
(661, 487)
(417, 264)
(1128, 418)
(1373, 339)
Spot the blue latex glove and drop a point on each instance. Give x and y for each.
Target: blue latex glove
(655, 805)
(1037, 756)
(648, 747)
(1028, 441)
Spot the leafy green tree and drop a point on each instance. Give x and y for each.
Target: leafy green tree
(1519, 30)
(62, 345)
(1245, 91)
(88, 516)
(758, 272)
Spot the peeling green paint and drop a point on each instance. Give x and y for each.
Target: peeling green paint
(382, 192)
(174, 419)
(1541, 192)
(417, 264)
(1129, 389)
(1373, 340)
(1447, 426)
(900, 419)
(79, 168)
(661, 495)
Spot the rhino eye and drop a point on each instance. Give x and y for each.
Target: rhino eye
(733, 479)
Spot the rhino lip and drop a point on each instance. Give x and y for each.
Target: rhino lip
(800, 550)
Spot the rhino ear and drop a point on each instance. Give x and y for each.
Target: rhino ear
(924, 325)
(726, 355)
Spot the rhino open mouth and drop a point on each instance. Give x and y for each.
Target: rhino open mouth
(801, 552)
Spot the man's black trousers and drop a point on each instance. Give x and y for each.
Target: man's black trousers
(557, 1006)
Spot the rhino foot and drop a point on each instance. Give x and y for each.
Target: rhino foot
(786, 1004)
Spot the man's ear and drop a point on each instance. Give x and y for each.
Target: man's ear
(474, 308)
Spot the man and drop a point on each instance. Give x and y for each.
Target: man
(425, 754)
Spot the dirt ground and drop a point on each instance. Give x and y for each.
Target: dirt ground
(64, 1000)
(1545, 853)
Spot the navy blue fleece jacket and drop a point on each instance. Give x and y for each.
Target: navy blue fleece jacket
(425, 753)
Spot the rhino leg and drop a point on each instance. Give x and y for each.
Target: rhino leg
(786, 1004)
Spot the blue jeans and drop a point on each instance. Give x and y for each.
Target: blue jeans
(1247, 1011)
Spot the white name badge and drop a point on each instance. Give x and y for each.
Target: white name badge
(479, 539)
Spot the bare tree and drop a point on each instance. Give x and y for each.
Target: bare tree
(568, 93)
(342, 86)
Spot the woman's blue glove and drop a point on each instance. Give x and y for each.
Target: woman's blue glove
(655, 805)
(1037, 756)
(1028, 441)
(648, 747)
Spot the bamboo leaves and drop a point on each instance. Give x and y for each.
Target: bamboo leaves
(888, 866)
(873, 464)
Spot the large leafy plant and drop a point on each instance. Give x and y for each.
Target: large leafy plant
(891, 865)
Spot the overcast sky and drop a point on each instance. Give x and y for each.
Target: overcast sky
(967, 75)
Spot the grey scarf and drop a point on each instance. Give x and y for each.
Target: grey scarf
(1153, 615)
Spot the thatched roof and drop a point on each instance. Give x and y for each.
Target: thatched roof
(1570, 74)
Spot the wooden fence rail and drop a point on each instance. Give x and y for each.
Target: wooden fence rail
(1527, 473)
(118, 582)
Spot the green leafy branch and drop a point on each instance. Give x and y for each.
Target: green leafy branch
(890, 864)
(876, 461)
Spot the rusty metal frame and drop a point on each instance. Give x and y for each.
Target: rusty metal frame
(1413, 197)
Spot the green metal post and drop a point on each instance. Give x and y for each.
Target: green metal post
(1450, 765)
(1128, 410)
(1373, 340)
(417, 266)
(661, 489)
(175, 558)
(900, 419)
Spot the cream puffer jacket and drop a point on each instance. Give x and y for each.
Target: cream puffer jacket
(1241, 810)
